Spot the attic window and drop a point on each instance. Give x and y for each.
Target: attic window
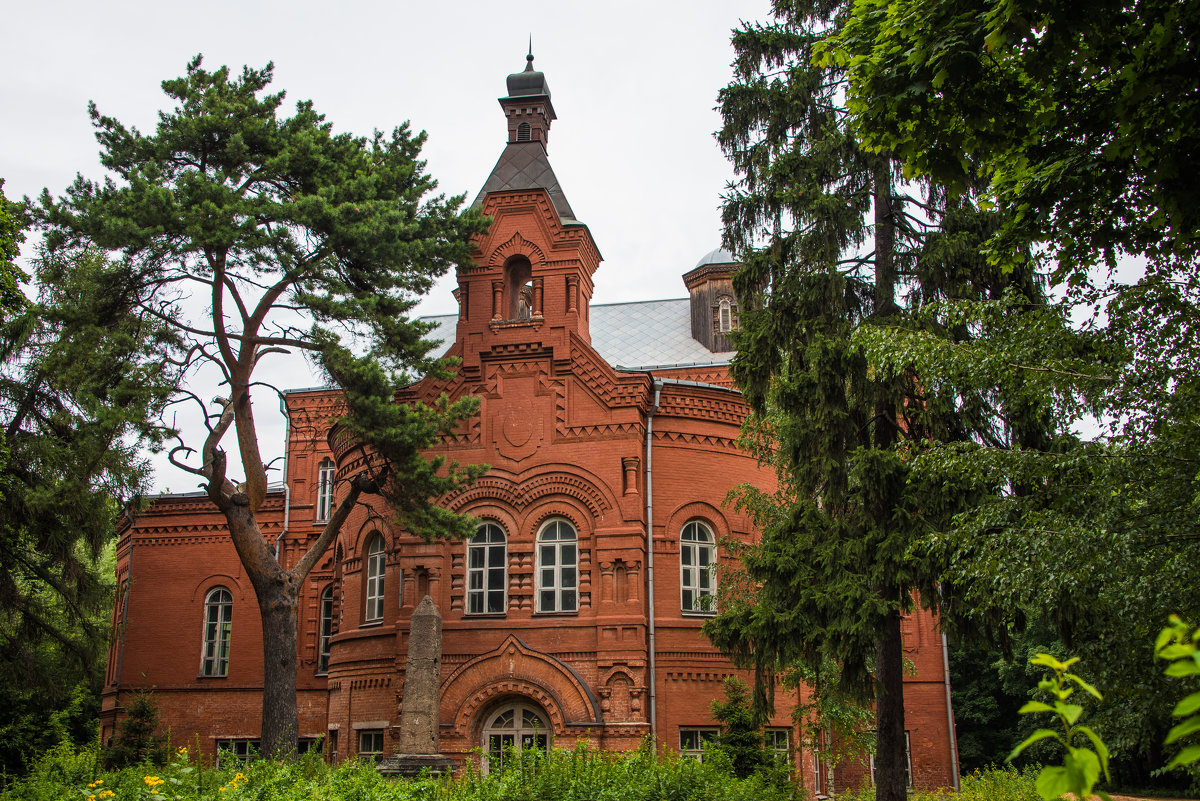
(725, 316)
(523, 132)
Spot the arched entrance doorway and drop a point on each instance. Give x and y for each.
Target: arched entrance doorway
(514, 725)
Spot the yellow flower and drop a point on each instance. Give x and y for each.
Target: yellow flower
(222, 788)
(152, 781)
(105, 794)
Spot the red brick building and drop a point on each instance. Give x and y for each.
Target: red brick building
(575, 611)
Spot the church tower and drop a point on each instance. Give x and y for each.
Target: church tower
(531, 281)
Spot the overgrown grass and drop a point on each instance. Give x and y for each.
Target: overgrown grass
(995, 784)
(580, 774)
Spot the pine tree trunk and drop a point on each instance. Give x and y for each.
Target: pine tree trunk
(890, 757)
(278, 600)
(280, 716)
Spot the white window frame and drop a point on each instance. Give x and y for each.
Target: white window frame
(558, 567)
(771, 738)
(217, 634)
(908, 774)
(694, 739)
(697, 568)
(724, 316)
(242, 748)
(487, 571)
(325, 473)
(324, 629)
(376, 568)
(375, 736)
(527, 727)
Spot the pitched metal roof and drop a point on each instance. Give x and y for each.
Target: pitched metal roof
(523, 165)
(645, 335)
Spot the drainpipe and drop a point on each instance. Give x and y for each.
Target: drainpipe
(650, 552)
(950, 714)
(287, 490)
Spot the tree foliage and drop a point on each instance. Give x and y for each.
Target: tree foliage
(1083, 119)
(1083, 124)
(832, 242)
(82, 380)
(296, 239)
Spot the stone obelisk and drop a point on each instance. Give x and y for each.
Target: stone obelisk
(420, 707)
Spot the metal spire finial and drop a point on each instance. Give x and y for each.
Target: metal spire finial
(529, 58)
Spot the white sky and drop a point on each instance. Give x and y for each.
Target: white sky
(634, 85)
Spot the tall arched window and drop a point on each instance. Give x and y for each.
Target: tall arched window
(373, 613)
(558, 568)
(324, 490)
(325, 630)
(697, 555)
(523, 132)
(725, 316)
(514, 727)
(487, 575)
(218, 621)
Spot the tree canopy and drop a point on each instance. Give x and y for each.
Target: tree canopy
(297, 240)
(834, 241)
(1082, 124)
(82, 381)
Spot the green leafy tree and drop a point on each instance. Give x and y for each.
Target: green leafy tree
(83, 378)
(1085, 120)
(298, 240)
(1082, 123)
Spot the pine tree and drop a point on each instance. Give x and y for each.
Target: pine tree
(299, 240)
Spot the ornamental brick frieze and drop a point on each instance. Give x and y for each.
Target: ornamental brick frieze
(520, 494)
(698, 676)
(679, 404)
(699, 440)
(612, 431)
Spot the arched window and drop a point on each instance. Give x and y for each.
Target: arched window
(523, 132)
(725, 316)
(513, 727)
(558, 568)
(218, 619)
(324, 490)
(487, 575)
(697, 556)
(325, 630)
(375, 572)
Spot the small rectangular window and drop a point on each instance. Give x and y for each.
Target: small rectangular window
(692, 741)
(370, 744)
(241, 749)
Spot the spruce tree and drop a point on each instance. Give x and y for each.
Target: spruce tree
(835, 243)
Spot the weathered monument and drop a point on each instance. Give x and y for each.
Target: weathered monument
(418, 749)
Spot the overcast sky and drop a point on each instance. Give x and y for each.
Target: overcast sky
(634, 85)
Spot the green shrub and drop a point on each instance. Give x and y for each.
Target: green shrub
(994, 784)
(578, 774)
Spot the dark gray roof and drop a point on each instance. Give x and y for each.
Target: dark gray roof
(718, 256)
(631, 336)
(523, 165)
(529, 83)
